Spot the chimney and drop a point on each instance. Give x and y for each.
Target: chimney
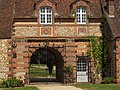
(111, 8)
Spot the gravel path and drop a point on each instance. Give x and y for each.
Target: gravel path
(56, 87)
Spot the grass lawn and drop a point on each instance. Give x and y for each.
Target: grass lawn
(99, 86)
(38, 70)
(22, 88)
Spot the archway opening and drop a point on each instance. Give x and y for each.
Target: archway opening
(46, 65)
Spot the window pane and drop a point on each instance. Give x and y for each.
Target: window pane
(83, 18)
(81, 65)
(48, 10)
(78, 18)
(45, 15)
(83, 10)
(42, 10)
(78, 10)
(81, 15)
(42, 18)
(49, 18)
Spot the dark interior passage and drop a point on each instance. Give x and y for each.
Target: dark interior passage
(46, 65)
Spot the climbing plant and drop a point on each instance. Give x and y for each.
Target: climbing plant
(98, 51)
(68, 70)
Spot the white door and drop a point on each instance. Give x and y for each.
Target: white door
(82, 71)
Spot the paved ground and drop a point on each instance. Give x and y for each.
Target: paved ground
(56, 87)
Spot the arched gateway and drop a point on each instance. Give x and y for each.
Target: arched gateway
(44, 59)
(46, 64)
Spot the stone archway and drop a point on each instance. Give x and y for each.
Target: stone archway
(49, 57)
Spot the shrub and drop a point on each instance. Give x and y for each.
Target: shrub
(108, 80)
(69, 74)
(114, 81)
(68, 69)
(11, 82)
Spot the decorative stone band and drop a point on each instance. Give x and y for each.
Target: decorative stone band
(46, 31)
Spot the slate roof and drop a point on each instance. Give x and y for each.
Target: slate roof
(10, 9)
(114, 23)
(24, 8)
(96, 9)
(6, 18)
(63, 8)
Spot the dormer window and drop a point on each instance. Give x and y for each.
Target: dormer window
(81, 15)
(45, 15)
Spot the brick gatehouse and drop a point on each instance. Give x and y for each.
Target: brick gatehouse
(61, 27)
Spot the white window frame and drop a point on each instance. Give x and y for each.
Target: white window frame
(81, 15)
(45, 14)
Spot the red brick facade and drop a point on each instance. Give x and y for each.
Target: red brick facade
(118, 59)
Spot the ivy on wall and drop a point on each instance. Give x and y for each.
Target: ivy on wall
(98, 51)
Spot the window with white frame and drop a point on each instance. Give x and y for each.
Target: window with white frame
(45, 15)
(81, 15)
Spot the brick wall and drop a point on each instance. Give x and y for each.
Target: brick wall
(20, 62)
(118, 59)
